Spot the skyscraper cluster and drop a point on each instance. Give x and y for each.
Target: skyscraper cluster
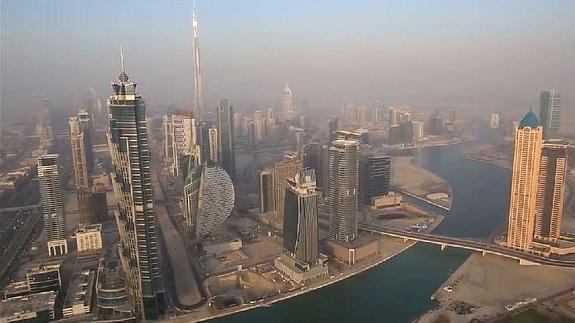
(537, 187)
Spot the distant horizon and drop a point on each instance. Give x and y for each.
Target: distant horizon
(472, 55)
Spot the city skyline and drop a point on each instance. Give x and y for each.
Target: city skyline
(413, 156)
(385, 47)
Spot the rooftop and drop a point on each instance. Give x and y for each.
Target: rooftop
(80, 289)
(26, 304)
(529, 120)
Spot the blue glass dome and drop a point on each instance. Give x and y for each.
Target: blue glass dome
(529, 120)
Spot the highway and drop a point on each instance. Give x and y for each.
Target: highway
(468, 244)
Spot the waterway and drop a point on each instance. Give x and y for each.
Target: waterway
(399, 290)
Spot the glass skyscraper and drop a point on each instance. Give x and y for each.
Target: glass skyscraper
(549, 111)
(226, 137)
(132, 180)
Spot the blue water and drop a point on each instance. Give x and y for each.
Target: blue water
(399, 290)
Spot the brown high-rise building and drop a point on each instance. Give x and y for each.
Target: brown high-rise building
(526, 160)
(80, 127)
(287, 168)
(551, 190)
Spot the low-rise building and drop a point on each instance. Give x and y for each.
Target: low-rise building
(354, 251)
(89, 237)
(38, 307)
(301, 272)
(44, 277)
(80, 290)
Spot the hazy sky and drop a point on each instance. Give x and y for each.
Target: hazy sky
(494, 54)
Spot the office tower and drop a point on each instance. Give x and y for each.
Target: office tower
(198, 106)
(494, 120)
(378, 115)
(208, 197)
(300, 221)
(526, 160)
(80, 128)
(239, 128)
(343, 189)
(139, 248)
(436, 125)
(550, 111)
(323, 174)
(375, 177)
(418, 130)
(213, 139)
(332, 129)
(312, 156)
(227, 154)
(452, 115)
(406, 129)
(364, 114)
(404, 116)
(260, 125)
(394, 135)
(282, 170)
(266, 191)
(204, 141)
(270, 115)
(288, 110)
(252, 139)
(179, 140)
(393, 118)
(52, 204)
(551, 190)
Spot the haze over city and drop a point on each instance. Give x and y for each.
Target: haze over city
(492, 55)
(259, 161)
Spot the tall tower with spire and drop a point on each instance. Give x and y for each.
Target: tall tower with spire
(198, 105)
(524, 183)
(288, 104)
(139, 249)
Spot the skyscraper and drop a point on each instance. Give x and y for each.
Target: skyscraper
(198, 106)
(343, 189)
(179, 140)
(550, 111)
(494, 120)
(551, 190)
(375, 177)
(52, 204)
(208, 197)
(80, 128)
(214, 149)
(288, 104)
(227, 153)
(266, 191)
(139, 249)
(524, 182)
(286, 168)
(301, 238)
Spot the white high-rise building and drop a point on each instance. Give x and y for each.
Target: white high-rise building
(52, 204)
(179, 140)
(213, 140)
(288, 110)
(494, 120)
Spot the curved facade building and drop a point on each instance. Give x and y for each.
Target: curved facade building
(209, 197)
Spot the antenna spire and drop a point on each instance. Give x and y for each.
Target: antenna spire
(122, 58)
(123, 76)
